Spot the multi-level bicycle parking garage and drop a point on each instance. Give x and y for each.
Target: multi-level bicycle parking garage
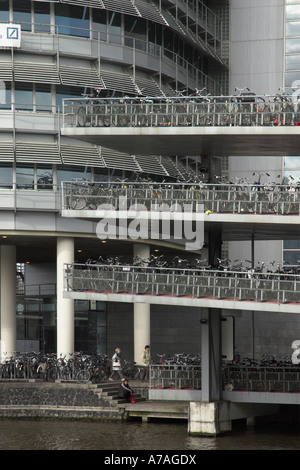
(228, 125)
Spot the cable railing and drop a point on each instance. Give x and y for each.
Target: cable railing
(243, 198)
(200, 111)
(246, 285)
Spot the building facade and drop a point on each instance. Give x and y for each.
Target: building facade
(73, 50)
(145, 48)
(264, 56)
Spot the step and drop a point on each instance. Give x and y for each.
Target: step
(110, 390)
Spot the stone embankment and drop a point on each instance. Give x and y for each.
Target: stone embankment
(63, 400)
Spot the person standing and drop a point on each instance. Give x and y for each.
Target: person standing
(116, 364)
(146, 361)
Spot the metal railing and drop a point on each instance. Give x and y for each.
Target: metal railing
(220, 198)
(175, 377)
(182, 111)
(285, 379)
(199, 283)
(261, 379)
(174, 59)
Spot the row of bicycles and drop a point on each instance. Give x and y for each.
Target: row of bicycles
(241, 109)
(78, 367)
(240, 196)
(232, 280)
(164, 264)
(271, 372)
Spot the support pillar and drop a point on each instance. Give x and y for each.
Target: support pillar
(8, 301)
(211, 415)
(65, 307)
(141, 312)
(211, 354)
(209, 419)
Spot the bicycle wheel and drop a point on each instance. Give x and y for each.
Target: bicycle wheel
(136, 373)
(81, 116)
(83, 376)
(78, 202)
(52, 375)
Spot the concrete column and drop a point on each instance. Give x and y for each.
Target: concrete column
(209, 419)
(65, 307)
(8, 301)
(211, 352)
(141, 312)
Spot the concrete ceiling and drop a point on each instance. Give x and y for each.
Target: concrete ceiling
(217, 141)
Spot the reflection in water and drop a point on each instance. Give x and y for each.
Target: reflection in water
(90, 435)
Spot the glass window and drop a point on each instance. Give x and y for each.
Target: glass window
(43, 97)
(22, 14)
(23, 96)
(69, 173)
(72, 20)
(292, 11)
(292, 46)
(293, 28)
(44, 177)
(292, 62)
(100, 174)
(291, 163)
(291, 244)
(99, 24)
(291, 78)
(42, 16)
(6, 175)
(5, 95)
(64, 91)
(135, 29)
(114, 27)
(4, 10)
(292, 257)
(25, 176)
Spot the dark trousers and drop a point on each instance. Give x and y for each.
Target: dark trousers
(145, 373)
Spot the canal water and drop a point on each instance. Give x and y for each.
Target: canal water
(134, 436)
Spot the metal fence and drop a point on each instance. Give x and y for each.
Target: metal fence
(182, 111)
(195, 283)
(261, 379)
(285, 379)
(221, 198)
(175, 377)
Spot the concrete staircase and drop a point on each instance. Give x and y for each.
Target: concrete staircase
(109, 391)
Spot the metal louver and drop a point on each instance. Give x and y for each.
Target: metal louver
(81, 155)
(121, 6)
(150, 12)
(36, 72)
(150, 164)
(80, 76)
(172, 169)
(6, 151)
(84, 3)
(37, 152)
(6, 71)
(148, 87)
(118, 81)
(119, 160)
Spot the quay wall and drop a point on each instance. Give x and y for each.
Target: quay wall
(45, 400)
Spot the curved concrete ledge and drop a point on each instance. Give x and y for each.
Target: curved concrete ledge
(186, 302)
